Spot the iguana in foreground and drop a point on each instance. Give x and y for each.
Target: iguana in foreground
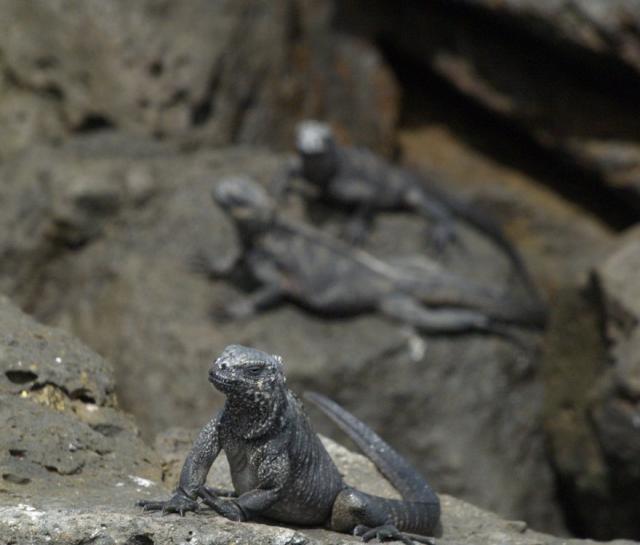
(357, 177)
(292, 260)
(281, 471)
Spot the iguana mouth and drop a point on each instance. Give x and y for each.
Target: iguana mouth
(220, 382)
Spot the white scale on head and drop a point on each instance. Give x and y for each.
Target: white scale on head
(312, 136)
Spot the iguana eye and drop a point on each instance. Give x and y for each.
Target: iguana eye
(254, 369)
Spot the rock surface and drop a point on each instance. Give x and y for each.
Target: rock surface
(123, 284)
(611, 484)
(72, 464)
(64, 441)
(95, 233)
(607, 30)
(215, 72)
(561, 243)
(563, 71)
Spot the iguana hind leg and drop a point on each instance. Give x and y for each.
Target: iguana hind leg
(443, 320)
(221, 492)
(448, 320)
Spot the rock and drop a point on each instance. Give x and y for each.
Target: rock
(129, 292)
(607, 31)
(219, 72)
(461, 522)
(614, 403)
(560, 241)
(105, 519)
(63, 437)
(61, 201)
(539, 66)
(72, 470)
(26, 118)
(35, 359)
(620, 291)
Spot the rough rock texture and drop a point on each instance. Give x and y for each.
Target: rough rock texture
(105, 519)
(63, 436)
(620, 290)
(564, 71)
(72, 467)
(608, 30)
(26, 118)
(605, 494)
(123, 284)
(226, 71)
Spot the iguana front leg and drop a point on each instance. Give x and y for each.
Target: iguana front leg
(193, 475)
(443, 231)
(359, 225)
(281, 182)
(221, 492)
(273, 475)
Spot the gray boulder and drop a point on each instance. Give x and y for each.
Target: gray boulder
(63, 436)
(615, 400)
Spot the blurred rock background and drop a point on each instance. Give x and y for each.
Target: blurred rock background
(116, 118)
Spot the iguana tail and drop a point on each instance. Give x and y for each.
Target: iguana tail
(432, 200)
(406, 479)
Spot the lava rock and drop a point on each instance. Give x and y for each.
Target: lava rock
(227, 71)
(615, 401)
(539, 67)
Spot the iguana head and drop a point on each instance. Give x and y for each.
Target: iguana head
(248, 372)
(245, 201)
(314, 137)
(317, 149)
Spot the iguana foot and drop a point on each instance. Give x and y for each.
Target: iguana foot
(176, 504)
(388, 532)
(227, 508)
(356, 232)
(205, 264)
(442, 235)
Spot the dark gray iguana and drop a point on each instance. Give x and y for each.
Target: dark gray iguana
(295, 261)
(280, 469)
(357, 177)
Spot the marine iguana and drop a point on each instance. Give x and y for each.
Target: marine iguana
(357, 177)
(279, 468)
(295, 261)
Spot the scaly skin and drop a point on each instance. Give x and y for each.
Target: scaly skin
(297, 262)
(279, 468)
